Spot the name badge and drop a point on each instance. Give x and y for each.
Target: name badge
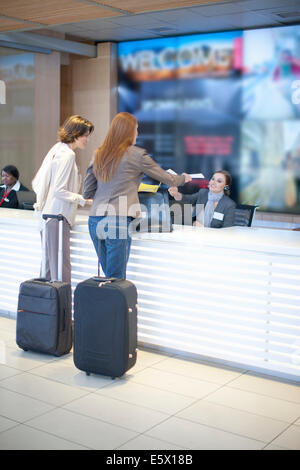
(218, 216)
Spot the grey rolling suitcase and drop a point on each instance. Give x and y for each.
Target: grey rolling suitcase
(44, 317)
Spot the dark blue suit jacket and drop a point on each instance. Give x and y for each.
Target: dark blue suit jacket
(12, 202)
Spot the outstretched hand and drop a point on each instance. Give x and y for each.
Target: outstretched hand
(188, 178)
(173, 190)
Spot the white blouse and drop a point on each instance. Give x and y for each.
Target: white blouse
(60, 196)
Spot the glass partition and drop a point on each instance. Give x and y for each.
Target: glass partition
(17, 80)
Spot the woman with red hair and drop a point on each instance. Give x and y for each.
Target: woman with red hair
(112, 180)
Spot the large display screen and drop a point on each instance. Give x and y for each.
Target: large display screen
(221, 101)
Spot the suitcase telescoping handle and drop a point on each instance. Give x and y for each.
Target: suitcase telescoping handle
(60, 219)
(105, 280)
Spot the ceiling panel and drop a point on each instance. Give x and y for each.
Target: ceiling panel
(53, 11)
(139, 6)
(11, 25)
(139, 20)
(92, 24)
(248, 20)
(107, 20)
(220, 10)
(266, 4)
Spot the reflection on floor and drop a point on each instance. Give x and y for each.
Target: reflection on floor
(164, 402)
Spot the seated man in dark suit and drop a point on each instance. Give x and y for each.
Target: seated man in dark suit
(11, 184)
(218, 206)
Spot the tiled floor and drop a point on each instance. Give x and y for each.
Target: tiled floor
(164, 402)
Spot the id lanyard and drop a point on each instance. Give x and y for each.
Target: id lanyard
(5, 194)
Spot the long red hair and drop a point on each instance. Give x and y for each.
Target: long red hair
(119, 137)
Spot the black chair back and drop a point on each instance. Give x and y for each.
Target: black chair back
(244, 214)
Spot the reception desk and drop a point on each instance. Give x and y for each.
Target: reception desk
(230, 296)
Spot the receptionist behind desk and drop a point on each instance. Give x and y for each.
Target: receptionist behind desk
(218, 206)
(10, 186)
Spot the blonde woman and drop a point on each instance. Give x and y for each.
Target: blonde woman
(112, 180)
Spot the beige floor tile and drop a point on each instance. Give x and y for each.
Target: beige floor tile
(196, 436)
(236, 421)
(8, 324)
(273, 447)
(8, 338)
(2, 352)
(257, 404)
(67, 373)
(83, 430)
(149, 397)
(173, 382)
(290, 439)
(20, 408)
(148, 443)
(25, 438)
(268, 386)
(198, 370)
(66, 359)
(9, 342)
(6, 371)
(25, 360)
(48, 391)
(146, 359)
(217, 407)
(116, 412)
(6, 423)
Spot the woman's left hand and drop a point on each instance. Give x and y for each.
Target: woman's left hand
(88, 202)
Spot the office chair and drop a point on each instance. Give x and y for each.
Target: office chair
(244, 214)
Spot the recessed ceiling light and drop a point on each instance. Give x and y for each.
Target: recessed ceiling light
(161, 30)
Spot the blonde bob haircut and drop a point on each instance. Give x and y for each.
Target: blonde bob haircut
(74, 127)
(119, 137)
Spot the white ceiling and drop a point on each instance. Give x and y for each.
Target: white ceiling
(237, 14)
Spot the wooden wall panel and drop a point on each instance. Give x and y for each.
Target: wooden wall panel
(94, 91)
(47, 103)
(66, 93)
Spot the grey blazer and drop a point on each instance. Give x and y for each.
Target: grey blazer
(119, 196)
(225, 206)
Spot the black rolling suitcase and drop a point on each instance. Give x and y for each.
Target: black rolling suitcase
(44, 317)
(105, 326)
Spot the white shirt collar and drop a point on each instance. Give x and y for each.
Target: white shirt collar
(16, 187)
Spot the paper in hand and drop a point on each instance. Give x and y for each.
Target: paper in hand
(193, 176)
(196, 175)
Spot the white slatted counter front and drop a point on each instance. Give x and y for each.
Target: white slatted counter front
(229, 295)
